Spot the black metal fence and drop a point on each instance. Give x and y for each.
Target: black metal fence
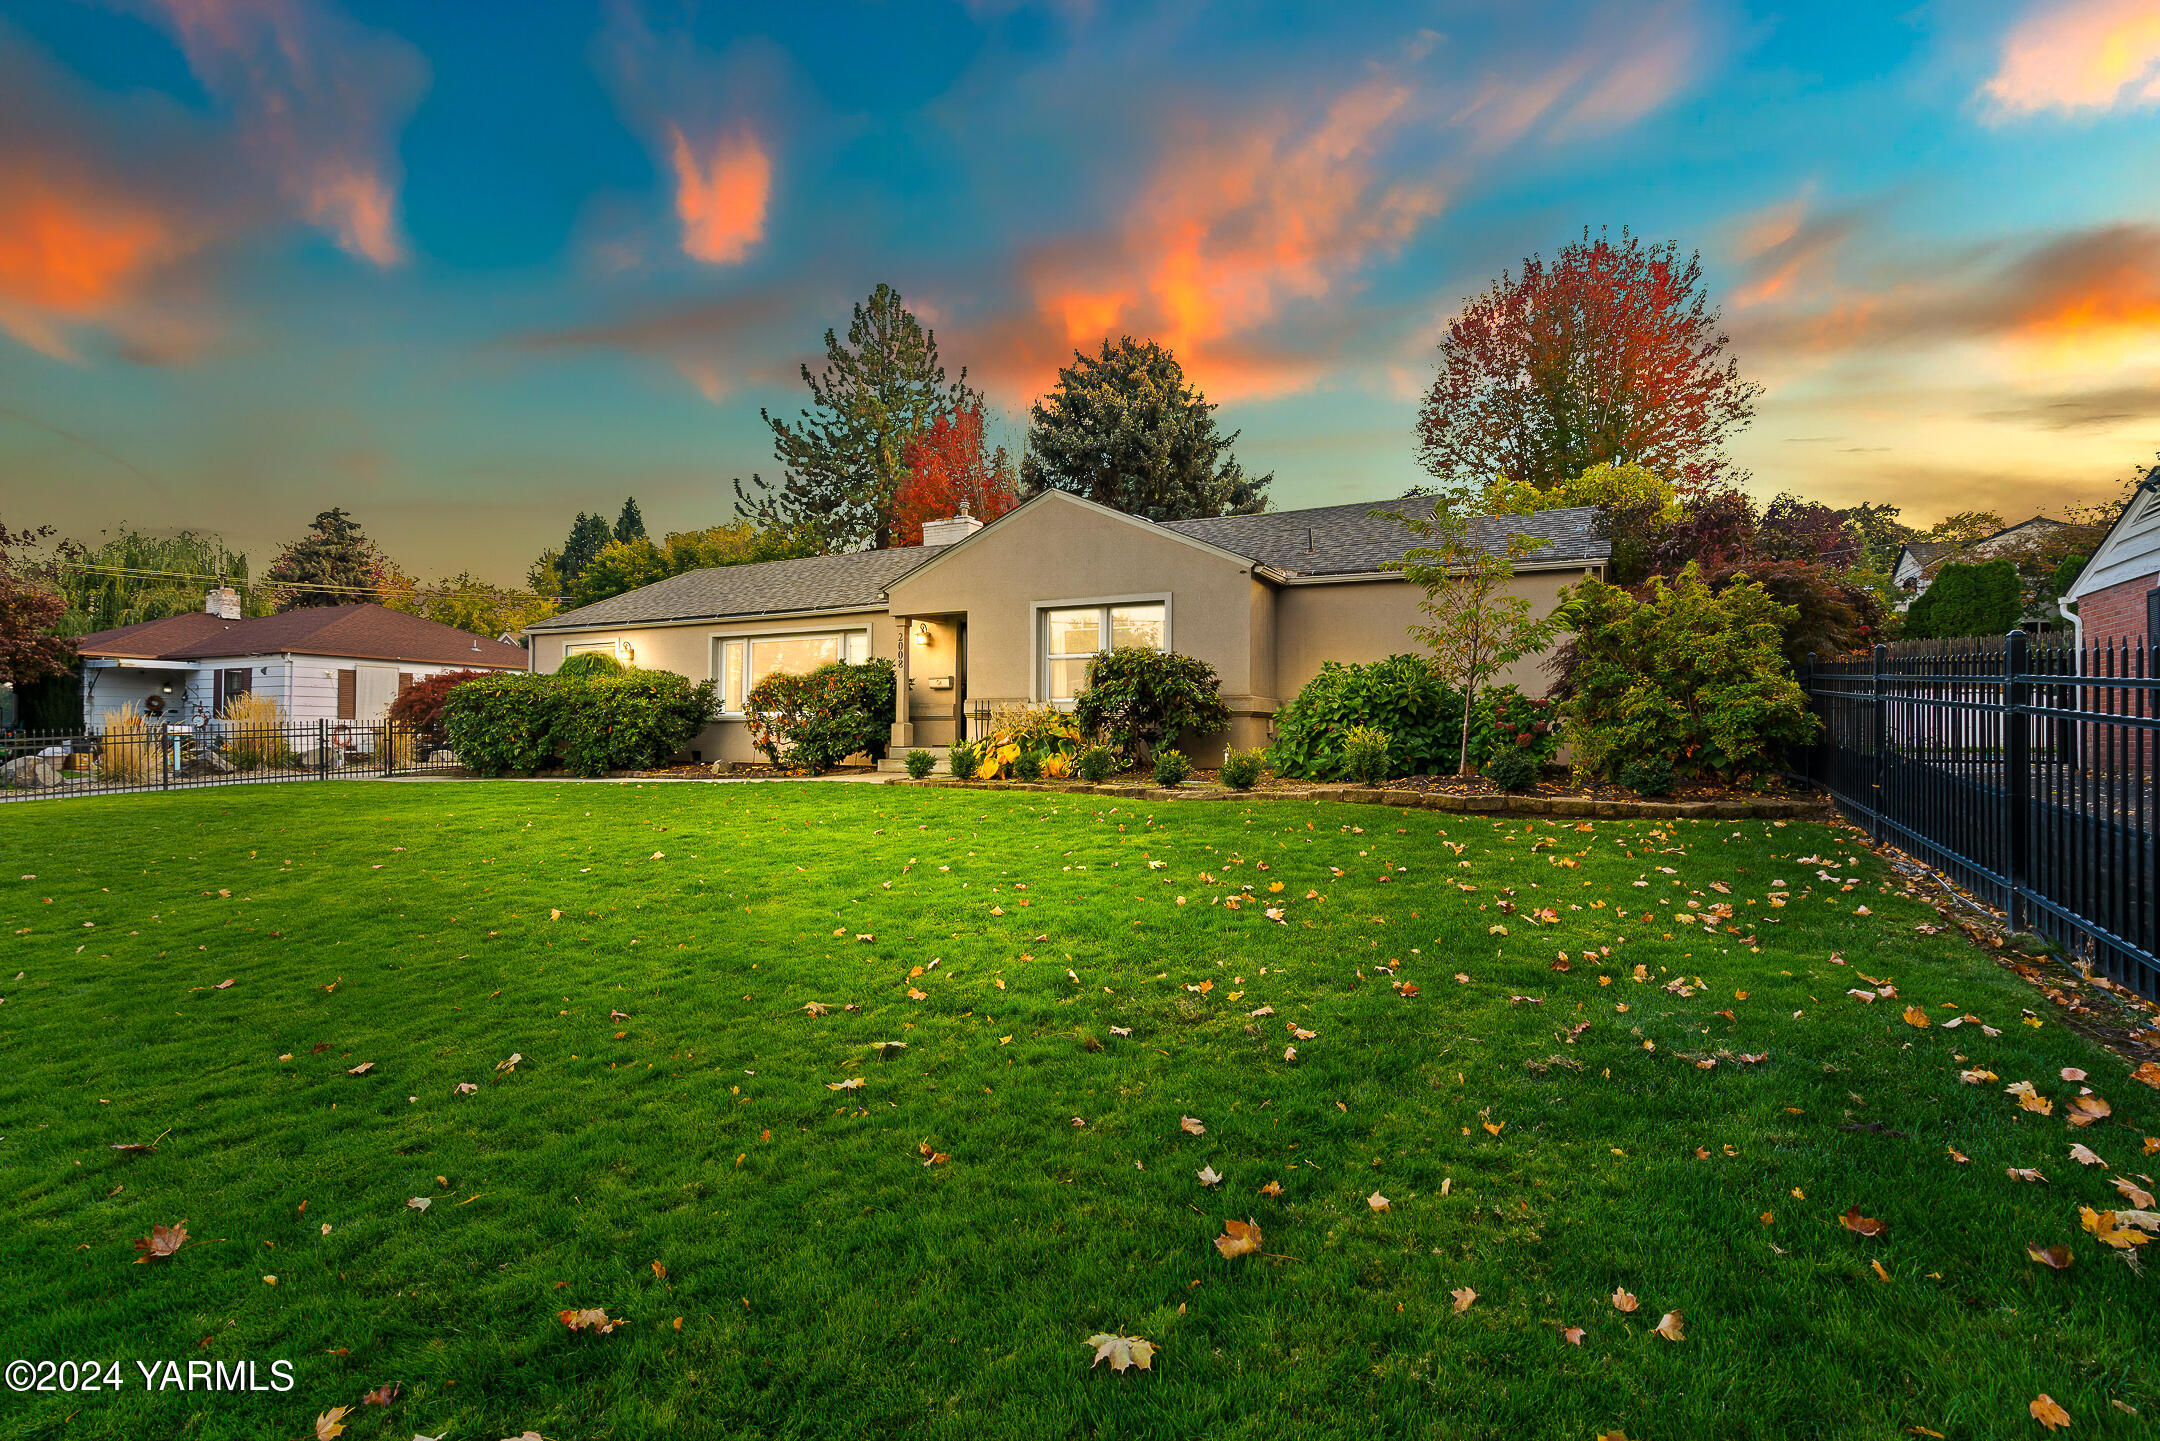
(149, 756)
(2021, 767)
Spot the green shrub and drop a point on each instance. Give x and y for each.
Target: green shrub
(1171, 768)
(919, 762)
(965, 758)
(1516, 769)
(1507, 721)
(591, 663)
(589, 724)
(1027, 766)
(1686, 674)
(1365, 754)
(1241, 770)
(816, 720)
(1649, 776)
(1140, 699)
(1402, 695)
(1096, 765)
(1962, 600)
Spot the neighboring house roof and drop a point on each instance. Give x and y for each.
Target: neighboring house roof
(2131, 547)
(1353, 540)
(852, 580)
(1929, 556)
(1328, 540)
(344, 632)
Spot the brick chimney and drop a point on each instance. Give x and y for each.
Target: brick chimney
(946, 532)
(223, 602)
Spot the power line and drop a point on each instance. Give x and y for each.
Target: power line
(319, 587)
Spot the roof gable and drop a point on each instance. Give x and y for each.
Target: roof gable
(851, 580)
(1361, 539)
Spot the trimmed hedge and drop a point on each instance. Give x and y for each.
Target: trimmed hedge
(589, 725)
(818, 719)
(1422, 715)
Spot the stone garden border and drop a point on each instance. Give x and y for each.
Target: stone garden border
(1573, 806)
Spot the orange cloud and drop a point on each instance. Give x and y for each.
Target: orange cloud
(721, 201)
(319, 101)
(1235, 224)
(2073, 55)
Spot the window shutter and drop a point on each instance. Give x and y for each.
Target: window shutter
(348, 695)
(239, 681)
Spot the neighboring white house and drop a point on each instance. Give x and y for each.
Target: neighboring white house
(345, 662)
(1920, 561)
(2117, 594)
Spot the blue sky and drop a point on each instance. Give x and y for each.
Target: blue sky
(466, 270)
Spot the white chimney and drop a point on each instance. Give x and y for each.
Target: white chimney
(946, 532)
(224, 603)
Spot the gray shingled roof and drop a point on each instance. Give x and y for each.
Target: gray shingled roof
(1351, 540)
(853, 580)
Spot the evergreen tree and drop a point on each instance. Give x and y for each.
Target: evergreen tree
(588, 533)
(843, 458)
(1125, 429)
(630, 525)
(1967, 600)
(333, 564)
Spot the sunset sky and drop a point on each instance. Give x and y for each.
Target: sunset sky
(466, 269)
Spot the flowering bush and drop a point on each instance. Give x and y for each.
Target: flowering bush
(1507, 720)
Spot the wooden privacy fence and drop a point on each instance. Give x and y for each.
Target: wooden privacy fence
(2021, 767)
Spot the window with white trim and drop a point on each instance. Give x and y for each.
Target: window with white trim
(743, 661)
(1074, 635)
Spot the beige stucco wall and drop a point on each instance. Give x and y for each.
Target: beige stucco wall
(1059, 550)
(691, 650)
(1360, 621)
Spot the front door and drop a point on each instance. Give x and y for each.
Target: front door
(959, 682)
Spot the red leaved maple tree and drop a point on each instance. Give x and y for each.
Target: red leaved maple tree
(949, 464)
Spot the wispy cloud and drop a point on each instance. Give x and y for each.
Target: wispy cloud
(2079, 55)
(721, 196)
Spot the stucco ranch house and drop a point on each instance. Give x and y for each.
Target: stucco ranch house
(982, 617)
(342, 662)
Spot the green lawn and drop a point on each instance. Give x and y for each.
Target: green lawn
(828, 1283)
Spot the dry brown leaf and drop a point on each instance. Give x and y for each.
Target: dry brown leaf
(2072, 1073)
(592, 1318)
(381, 1395)
(1272, 1188)
(1191, 1126)
(2056, 1257)
(1122, 1352)
(852, 1083)
(2084, 1155)
(2103, 1226)
(2047, 1413)
(1622, 1301)
(1239, 1238)
(1572, 1335)
(2149, 1073)
(1464, 1298)
(1853, 1221)
(509, 1064)
(1916, 1018)
(1958, 1156)
(1209, 1176)
(816, 1008)
(2135, 1194)
(362, 1069)
(1881, 1274)
(2084, 1110)
(1377, 1201)
(331, 1423)
(1668, 1326)
(419, 1203)
(161, 1242)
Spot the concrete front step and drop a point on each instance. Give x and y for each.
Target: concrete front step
(896, 760)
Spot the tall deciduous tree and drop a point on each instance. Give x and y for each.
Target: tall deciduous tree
(30, 610)
(333, 564)
(1608, 353)
(1126, 429)
(843, 458)
(949, 465)
(1477, 626)
(471, 604)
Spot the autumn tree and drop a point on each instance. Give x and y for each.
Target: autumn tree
(1608, 353)
(950, 465)
(1963, 527)
(1478, 625)
(1634, 504)
(333, 564)
(30, 611)
(471, 604)
(843, 458)
(1125, 429)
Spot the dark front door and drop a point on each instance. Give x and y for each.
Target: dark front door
(959, 681)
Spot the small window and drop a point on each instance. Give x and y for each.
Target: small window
(1075, 635)
(745, 661)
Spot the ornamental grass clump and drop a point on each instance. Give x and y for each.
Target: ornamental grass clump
(254, 731)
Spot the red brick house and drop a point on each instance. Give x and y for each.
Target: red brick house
(2118, 593)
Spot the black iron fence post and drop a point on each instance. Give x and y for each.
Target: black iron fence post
(2016, 790)
(322, 748)
(164, 750)
(1881, 746)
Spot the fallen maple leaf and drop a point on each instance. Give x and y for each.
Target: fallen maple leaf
(2084, 1110)
(381, 1395)
(1464, 1298)
(1377, 1201)
(133, 1148)
(2149, 1073)
(852, 1083)
(2024, 1173)
(1239, 1238)
(1209, 1176)
(2084, 1155)
(1853, 1221)
(594, 1319)
(1272, 1188)
(2102, 1225)
(362, 1069)
(161, 1242)
(510, 1064)
(331, 1423)
(2047, 1413)
(1572, 1335)
(1122, 1352)
(1191, 1126)
(1916, 1017)
(2072, 1073)
(1622, 1301)
(465, 1088)
(1668, 1326)
(816, 1008)
(2137, 1195)
(419, 1203)
(2056, 1257)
